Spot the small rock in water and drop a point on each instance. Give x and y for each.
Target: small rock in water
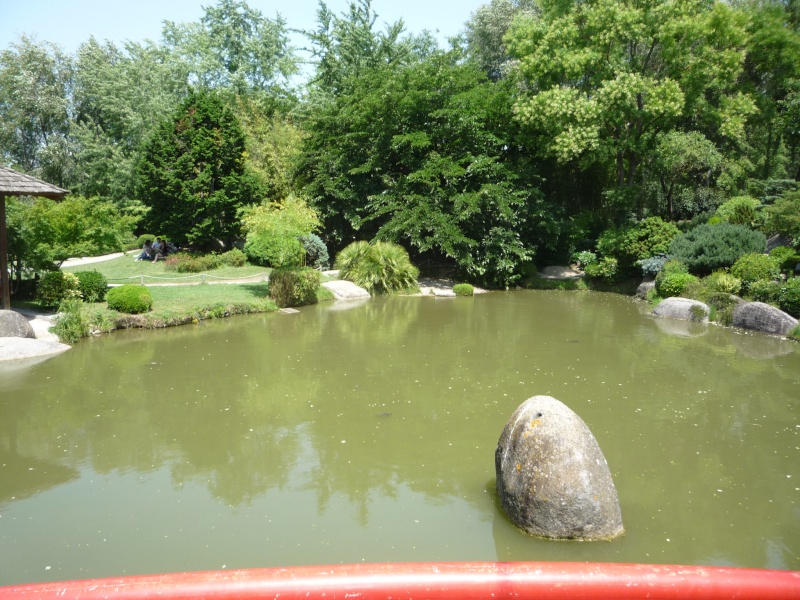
(384, 414)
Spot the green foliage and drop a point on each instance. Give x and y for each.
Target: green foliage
(755, 267)
(784, 216)
(274, 231)
(316, 251)
(92, 285)
(55, 286)
(789, 299)
(786, 258)
(463, 289)
(584, 258)
(145, 237)
(380, 268)
(606, 269)
(183, 262)
(427, 154)
(740, 210)
(652, 266)
(233, 258)
(130, 298)
(70, 325)
(724, 282)
(764, 290)
(192, 173)
(631, 243)
(294, 286)
(709, 247)
(673, 284)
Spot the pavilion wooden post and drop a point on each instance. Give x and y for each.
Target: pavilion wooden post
(5, 294)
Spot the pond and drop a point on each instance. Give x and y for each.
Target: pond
(365, 432)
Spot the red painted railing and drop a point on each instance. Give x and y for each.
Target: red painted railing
(542, 581)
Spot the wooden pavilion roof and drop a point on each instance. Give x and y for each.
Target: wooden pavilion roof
(19, 184)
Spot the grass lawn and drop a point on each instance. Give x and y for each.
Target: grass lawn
(125, 269)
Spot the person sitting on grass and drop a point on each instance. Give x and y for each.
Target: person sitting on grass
(147, 251)
(159, 249)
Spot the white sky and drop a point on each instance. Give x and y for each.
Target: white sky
(68, 23)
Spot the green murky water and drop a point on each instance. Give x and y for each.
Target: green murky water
(366, 432)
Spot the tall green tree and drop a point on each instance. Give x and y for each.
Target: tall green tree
(35, 110)
(234, 47)
(485, 30)
(121, 95)
(426, 155)
(192, 173)
(606, 77)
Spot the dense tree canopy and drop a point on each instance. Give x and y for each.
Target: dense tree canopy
(545, 124)
(192, 174)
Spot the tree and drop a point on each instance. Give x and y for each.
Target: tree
(192, 173)
(35, 110)
(120, 96)
(426, 155)
(43, 233)
(485, 31)
(606, 77)
(274, 230)
(235, 47)
(347, 46)
(683, 159)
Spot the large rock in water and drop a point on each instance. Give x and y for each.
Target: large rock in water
(682, 308)
(552, 479)
(13, 324)
(763, 317)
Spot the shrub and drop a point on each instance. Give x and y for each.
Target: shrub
(755, 267)
(257, 249)
(786, 257)
(183, 262)
(605, 268)
(316, 251)
(463, 289)
(789, 299)
(674, 266)
(673, 284)
(764, 291)
(56, 286)
(143, 238)
(93, 286)
(130, 298)
(652, 266)
(647, 238)
(233, 258)
(70, 324)
(709, 247)
(722, 281)
(722, 306)
(294, 286)
(740, 210)
(380, 268)
(584, 258)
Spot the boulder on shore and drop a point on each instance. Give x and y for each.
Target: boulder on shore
(13, 324)
(552, 478)
(682, 308)
(763, 317)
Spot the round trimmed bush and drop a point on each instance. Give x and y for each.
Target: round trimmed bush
(233, 258)
(755, 267)
(93, 286)
(463, 289)
(786, 257)
(722, 281)
(673, 284)
(130, 298)
(294, 286)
